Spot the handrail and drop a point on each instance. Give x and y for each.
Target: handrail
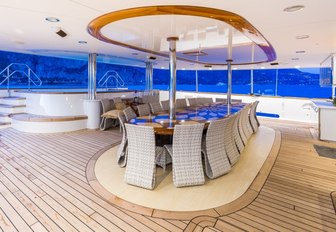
(30, 74)
(111, 74)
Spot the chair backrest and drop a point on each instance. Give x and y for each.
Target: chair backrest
(165, 105)
(122, 152)
(235, 131)
(187, 158)
(247, 128)
(192, 101)
(116, 99)
(143, 110)
(223, 100)
(140, 169)
(155, 107)
(106, 105)
(181, 103)
(215, 157)
(229, 141)
(129, 113)
(204, 100)
(253, 116)
(236, 100)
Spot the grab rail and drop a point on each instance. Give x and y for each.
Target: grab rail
(114, 75)
(14, 68)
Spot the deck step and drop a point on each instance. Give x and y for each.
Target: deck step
(43, 118)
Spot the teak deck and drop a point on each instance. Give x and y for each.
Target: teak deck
(44, 187)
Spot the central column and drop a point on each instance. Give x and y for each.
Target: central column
(149, 78)
(172, 82)
(229, 68)
(92, 71)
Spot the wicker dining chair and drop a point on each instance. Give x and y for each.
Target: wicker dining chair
(253, 116)
(129, 113)
(192, 101)
(204, 100)
(222, 100)
(216, 161)
(229, 141)
(143, 110)
(242, 133)
(141, 156)
(155, 107)
(186, 155)
(165, 105)
(235, 131)
(122, 150)
(181, 103)
(247, 128)
(106, 106)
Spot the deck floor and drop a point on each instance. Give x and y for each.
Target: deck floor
(43, 187)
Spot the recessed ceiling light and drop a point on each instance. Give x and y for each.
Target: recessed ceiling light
(294, 8)
(302, 37)
(52, 19)
(300, 51)
(82, 42)
(135, 53)
(295, 58)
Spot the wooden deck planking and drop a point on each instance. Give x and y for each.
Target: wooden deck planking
(48, 189)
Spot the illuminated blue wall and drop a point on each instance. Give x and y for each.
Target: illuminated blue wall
(69, 73)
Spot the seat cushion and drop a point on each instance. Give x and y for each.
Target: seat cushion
(111, 114)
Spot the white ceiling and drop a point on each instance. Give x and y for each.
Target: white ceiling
(24, 28)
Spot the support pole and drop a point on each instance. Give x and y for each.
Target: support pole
(149, 78)
(92, 71)
(229, 68)
(252, 77)
(172, 82)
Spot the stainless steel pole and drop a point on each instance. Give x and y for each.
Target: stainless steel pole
(252, 77)
(92, 72)
(172, 82)
(229, 68)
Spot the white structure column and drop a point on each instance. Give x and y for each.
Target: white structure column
(149, 78)
(172, 82)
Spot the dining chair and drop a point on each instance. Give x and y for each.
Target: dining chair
(216, 161)
(229, 141)
(106, 106)
(165, 105)
(236, 134)
(192, 101)
(181, 103)
(141, 156)
(253, 116)
(204, 100)
(129, 113)
(155, 107)
(122, 150)
(186, 155)
(143, 109)
(222, 100)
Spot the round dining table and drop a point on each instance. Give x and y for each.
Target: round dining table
(190, 115)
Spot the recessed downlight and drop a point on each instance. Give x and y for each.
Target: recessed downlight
(295, 58)
(82, 42)
(52, 19)
(293, 8)
(300, 52)
(302, 37)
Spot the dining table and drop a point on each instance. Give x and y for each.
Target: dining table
(190, 115)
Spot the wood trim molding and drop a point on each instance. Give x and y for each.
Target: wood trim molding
(235, 20)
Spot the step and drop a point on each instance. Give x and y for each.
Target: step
(13, 100)
(33, 123)
(6, 108)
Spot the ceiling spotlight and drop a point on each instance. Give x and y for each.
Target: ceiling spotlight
(82, 42)
(300, 51)
(52, 19)
(295, 58)
(293, 8)
(135, 54)
(302, 37)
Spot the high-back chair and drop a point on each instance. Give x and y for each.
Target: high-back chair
(192, 101)
(247, 128)
(142, 156)
(129, 113)
(204, 100)
(155, 107)
(106, 106)
(181, 103)
(229, 141)
(122, 150)
(222, 100)
(253, 116)
(235, 131)
(143, 110)
(165, 105)
(216, 161)
(186, 155)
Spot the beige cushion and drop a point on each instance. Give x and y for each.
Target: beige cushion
(111, 114)
(120, 105)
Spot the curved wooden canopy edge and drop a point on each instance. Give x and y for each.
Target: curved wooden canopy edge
(235, 20)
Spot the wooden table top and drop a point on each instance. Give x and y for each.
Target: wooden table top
(190, 115)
